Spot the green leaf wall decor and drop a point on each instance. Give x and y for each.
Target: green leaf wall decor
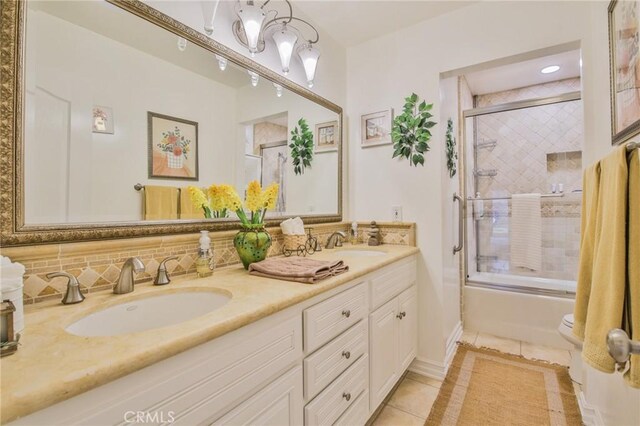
(452, 154)
(410, 131)
(301, 147)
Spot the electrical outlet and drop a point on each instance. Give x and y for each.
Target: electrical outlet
(396, 213)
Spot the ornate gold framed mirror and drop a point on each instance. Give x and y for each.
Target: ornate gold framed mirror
(125, 98)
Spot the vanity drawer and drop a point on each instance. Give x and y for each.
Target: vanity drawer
(332, 402)
(391, 281)
(331, 317)
(357, 414)
(332, 359)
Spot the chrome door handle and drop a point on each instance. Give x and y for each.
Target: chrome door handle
(621, 347)
(458, 247)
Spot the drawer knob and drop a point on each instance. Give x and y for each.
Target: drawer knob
(401, 315)
(346, 354)
(346, 396)
(346, 313)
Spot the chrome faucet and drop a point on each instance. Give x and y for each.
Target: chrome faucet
(335, 240)
(125, 280)
(162, 277)
(73, 294)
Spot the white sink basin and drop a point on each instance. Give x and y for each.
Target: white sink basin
(148, 313)
(362, 253)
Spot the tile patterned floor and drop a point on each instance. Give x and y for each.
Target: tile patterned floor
(411, 402)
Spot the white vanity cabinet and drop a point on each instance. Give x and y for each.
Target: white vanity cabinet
(329, 360)
(393, 330)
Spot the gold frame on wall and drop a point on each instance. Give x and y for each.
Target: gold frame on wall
(13, 230)
(618, 136)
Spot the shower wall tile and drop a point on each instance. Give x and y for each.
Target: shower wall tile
(535, 147)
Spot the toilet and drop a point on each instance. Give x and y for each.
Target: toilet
(565, 329)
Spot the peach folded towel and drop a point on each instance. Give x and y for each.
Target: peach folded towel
(298, 269)
(160, 202)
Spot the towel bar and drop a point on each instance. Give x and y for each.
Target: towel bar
(509, 197)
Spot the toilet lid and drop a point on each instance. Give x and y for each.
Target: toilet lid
(568, 320)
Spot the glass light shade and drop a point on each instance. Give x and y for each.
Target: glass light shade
(285, 41)
(278, 90)
(254, 78)
(222, 62)
(182, 44)
(309, 56)
(252, 18)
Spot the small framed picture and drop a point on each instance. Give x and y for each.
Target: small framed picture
(102, 120)
(376, 128)
(173, 147)
(624, 62)
(327, 136)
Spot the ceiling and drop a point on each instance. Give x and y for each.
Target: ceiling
(523, 74)
(351, 22)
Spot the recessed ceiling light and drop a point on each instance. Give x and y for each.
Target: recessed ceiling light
(549, 69)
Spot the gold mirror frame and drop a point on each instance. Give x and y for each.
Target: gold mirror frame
(13, 230)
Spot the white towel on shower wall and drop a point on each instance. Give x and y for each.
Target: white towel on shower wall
(526, 232)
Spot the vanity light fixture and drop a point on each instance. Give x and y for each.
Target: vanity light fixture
(209, 9)
(251, 19)
(182, 44)
(309, 56)
(222, 62)
(278, 89)
(254, 78)
(252, 26)
(549, 69)
(285, 39)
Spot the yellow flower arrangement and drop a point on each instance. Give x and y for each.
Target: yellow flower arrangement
(222, 198)
(270, 196)
(199, 200)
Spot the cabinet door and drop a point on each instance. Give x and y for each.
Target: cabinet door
(279, 404)
(383, 351)
(407, 327)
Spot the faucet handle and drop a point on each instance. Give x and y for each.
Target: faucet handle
(162, 277)
(73, 294)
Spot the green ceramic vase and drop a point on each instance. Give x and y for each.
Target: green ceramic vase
(252, 245)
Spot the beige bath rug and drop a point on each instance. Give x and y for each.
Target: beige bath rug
(488, 387)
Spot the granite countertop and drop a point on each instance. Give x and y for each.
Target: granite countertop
(52, 365)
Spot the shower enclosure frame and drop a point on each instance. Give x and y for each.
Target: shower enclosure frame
(476, 112)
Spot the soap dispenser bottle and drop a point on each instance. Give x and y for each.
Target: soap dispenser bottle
(204, 263)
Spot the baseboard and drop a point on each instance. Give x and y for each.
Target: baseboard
(452, 344)
(590, 413)
(437, 369)
(426, 367)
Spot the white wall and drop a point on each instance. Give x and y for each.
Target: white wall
(381, 72)
(87, 69)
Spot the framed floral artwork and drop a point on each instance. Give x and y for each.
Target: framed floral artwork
(173, 147)
(327, 135)
(376, 128)
(624, 62)
(102, 120)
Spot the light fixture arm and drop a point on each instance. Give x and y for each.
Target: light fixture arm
(290, 18)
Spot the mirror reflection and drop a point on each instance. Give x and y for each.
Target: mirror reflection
(121, 116)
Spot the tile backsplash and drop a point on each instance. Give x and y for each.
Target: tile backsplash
(97, 264)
